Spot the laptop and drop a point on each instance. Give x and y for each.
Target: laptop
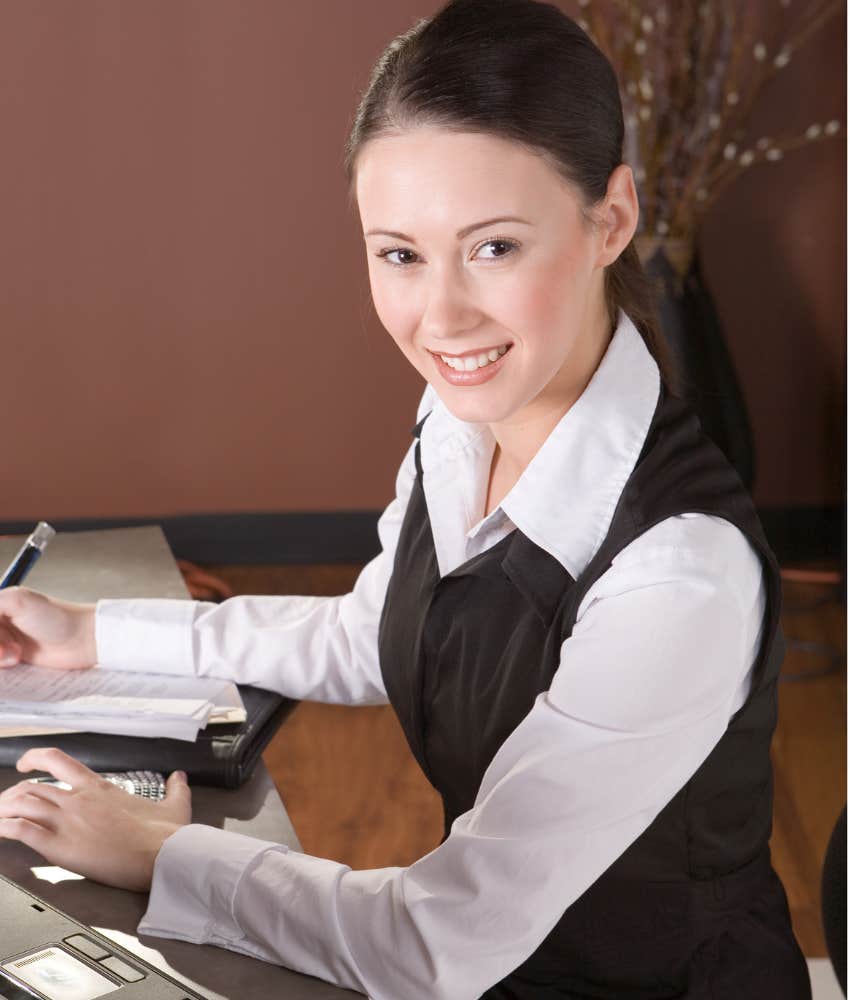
(47, 955)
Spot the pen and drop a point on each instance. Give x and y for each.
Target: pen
(28, 555)
(50, 781)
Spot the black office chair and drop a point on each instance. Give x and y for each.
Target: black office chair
(834, 899)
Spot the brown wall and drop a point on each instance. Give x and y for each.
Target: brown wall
(184, 305)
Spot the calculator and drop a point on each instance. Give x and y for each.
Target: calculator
(147, 784)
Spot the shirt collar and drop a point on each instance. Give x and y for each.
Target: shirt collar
(565, 499)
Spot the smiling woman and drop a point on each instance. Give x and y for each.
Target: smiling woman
(575, 612)
(532, 278)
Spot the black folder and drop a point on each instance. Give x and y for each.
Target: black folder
(224, 754)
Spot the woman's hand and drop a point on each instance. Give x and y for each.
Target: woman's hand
(41, 630)
(95, 828)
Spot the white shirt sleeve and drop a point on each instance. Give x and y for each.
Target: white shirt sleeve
(309, 648)
(659, 660)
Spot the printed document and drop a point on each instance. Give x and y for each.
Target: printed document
(42, 700)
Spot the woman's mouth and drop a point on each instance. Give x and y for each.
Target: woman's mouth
(472, 369)
(469, 362)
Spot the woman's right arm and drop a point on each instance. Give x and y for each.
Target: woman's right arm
(305, 647)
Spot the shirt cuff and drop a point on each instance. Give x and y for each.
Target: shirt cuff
(150, 636)
(195, 878)
(255, 897)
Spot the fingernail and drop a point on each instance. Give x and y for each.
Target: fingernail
(8, 660)
(182, 775)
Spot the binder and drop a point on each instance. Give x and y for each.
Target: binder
(223, 754)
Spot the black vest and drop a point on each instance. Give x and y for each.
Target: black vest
(692, 908)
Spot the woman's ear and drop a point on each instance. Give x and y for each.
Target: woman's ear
(620, 213)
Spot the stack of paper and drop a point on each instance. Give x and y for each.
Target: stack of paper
(36, 700)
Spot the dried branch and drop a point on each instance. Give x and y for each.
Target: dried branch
(690, 73)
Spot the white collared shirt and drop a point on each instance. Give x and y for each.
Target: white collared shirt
(659, 660)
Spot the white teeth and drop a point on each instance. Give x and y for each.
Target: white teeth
(474, 362)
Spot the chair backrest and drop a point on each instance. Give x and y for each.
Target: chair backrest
(834, 898)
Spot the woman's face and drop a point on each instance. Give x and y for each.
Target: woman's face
(477, 249)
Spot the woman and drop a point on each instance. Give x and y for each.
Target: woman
(574, 613)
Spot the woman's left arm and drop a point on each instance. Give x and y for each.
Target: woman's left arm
(647, 682)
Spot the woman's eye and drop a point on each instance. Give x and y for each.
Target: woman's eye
(406, 256)
(500, 248)
(399, 257)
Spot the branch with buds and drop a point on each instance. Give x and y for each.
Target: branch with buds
(690, 72)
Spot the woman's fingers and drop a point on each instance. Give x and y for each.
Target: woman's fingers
(59, 764)
(50, 793)
(11, 644)
(177, 804)
(10, 654)
(27, 832)
(31, 807)
(10, 648)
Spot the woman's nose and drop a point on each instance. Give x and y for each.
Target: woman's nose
(449, 307)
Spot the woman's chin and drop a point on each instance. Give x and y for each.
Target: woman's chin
(471, 406)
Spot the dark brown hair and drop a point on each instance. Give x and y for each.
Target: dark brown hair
(521, 70)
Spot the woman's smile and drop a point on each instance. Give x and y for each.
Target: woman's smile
(473, 368)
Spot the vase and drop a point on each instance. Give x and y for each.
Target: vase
(703, 369)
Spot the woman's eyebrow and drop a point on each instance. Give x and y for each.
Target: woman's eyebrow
(461, 233)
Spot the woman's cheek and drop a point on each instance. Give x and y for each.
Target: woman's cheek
(397, 314)
(389, 307)
(534, 305)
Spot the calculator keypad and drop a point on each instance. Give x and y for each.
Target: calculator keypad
(147, 784)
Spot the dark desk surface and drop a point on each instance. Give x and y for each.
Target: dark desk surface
(136, 562)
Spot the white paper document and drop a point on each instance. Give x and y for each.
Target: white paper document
(39, 700)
